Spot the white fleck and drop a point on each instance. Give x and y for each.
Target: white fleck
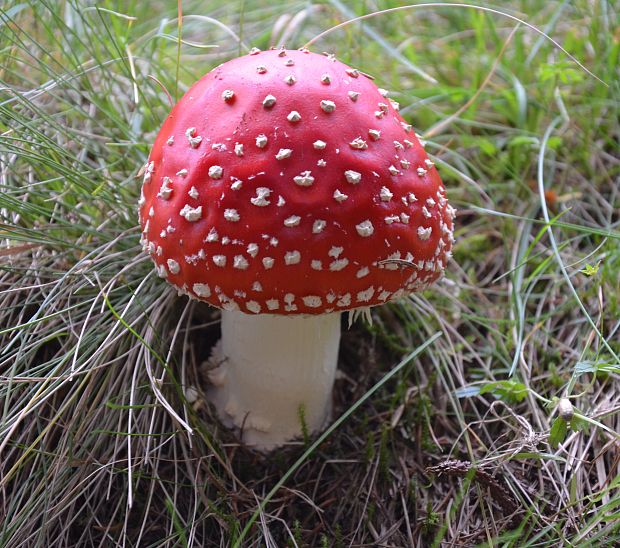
(408, 143)
(213, 236)
(182, 173)
(291, 221)
(151, 212)
(161, 271)
(430, 202)
(170, 141)
(165, 191)
(252, 249)
(193, 140)
(220, 147)
(273, 304)
(269, 101)
(149, 168)
(318, 226)
(393, 170)
(219, 260)
(215, 172)
(365, 228)
(338, 265)
(261, 69)
(274, 242)
(411, 197)
(391, 219)
(256, 286)
(321, 163)
(284, 153)
(173, 266)
(288, 302)
(316, 264)
(236, 184)
(335, 251)
(261, 140)
(383, 296)
(391, 266)
(228, 304)
(404, 218)
(366, 295)
(254, 51)
(375, 134)
(328, 106)
(421, 171)
(240, 262)
(405, 164)
(268, 262)
(239, 149)
(253, 306)
(358, 143)
(344, 300)
(228, 95)
(426, 212)
(353, 95)
(451, 211)
(383, 92)
(395, 104)
(304, 179)
(202, 290)
(292, 257)
(364, 271)
(429, 163)
(326, 79)
(231, 215)
(293, 116)
(312, 301)
(353, 177)
(319, 145)
(281, 201)
(424, 233)
(262, 193)
(383, 107)
(339, 196)
(353, 73)
(192, 214)
(289, 63)
(405, 126)
(379, 114)
(290, 79)
(385, 194)
(193, 193)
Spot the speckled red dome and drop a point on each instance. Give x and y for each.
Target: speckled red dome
(287, 182)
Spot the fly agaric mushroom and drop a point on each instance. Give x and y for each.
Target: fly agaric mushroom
(285, 188)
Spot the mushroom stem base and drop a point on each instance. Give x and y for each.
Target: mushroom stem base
(275, 375)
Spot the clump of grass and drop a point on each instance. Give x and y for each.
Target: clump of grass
(100, 441)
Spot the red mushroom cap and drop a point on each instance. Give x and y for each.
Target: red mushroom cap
(287, 182)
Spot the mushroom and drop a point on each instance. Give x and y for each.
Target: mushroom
(285, 188)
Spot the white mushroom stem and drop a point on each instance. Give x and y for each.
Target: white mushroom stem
(276, 375)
